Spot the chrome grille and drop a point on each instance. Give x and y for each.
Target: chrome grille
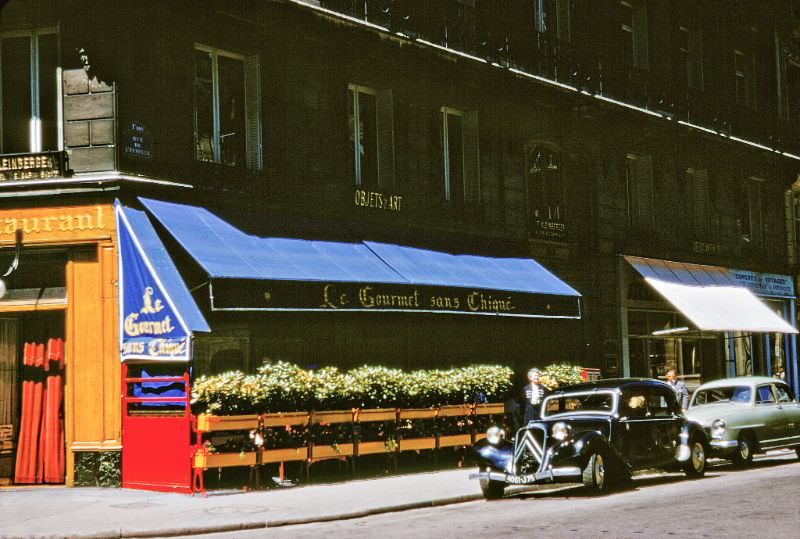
(529, 450)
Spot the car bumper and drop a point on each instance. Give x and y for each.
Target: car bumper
(554, 475)
(722, 445)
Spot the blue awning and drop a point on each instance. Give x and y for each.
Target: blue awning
(157, 311)
(250, 272)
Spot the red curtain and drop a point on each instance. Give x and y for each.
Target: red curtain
(40, 451)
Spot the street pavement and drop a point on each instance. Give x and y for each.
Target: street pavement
(105, 513)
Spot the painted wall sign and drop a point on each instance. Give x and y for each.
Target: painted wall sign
(235, 294)
(378, 200)
(544, 228)
(764, 284)
(33, 166)
(149, 326)
(138, 141)
(51, 225)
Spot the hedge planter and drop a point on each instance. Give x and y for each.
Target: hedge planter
(416, 444)
(282, 419)
(224, 460)
(332, 416)
(490, 409)
(455, 440)
(418, 413)
(375, 414)
(455, 410)
(318, 452)
(283, 455)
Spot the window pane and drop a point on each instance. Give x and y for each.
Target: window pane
(368, 139)
(231, 111)
(351, 123)
(455, 157)
(16, 61)
(204, 106)
(48, 91)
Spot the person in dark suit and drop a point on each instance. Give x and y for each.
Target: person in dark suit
(535, 393)
(679, 387)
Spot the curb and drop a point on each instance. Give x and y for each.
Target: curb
(277, 523)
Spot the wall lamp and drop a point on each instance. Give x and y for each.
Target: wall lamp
(14, 263)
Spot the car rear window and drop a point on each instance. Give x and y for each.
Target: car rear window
(722, 394)
(587, 402)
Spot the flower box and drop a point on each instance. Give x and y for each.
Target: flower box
(331, 451)
(371, 448)
(375, 414)
(284, 455)
(455, 410)
(454, 440)
(281, 419)
(418, 413)
(490, 409)
(222, 460)
(216, 423)
(415, 444)
(332, 416)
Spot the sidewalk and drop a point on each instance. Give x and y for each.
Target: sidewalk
(106, 513)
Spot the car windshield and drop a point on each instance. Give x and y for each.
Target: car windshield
(579, 403)
(714, 395)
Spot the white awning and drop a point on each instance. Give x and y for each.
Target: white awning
(709, 297)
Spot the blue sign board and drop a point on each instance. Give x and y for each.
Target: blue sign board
(150, 326)
(764, 284)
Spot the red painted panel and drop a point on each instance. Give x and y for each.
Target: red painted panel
(156, 453)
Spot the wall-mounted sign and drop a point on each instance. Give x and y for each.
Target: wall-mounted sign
(138, 142)
(544, 228)
(764, 284)
(704, 248)
(234, 294)
(51, 225)
(364, 198)
(149, 326)
(33, 166)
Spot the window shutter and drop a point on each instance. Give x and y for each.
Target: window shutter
(472, 182)
(644, 190)
(385, 139)
(640, 53)
(700, 202)
(252, 104)
(564, 24)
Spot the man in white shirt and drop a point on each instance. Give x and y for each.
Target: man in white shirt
(535, 393)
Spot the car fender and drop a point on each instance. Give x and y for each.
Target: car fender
(586, 444)
(497, 456)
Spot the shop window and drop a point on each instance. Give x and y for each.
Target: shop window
(743, 73)
(553, 17)
(639, 185)
(227, 93)
(691, 53)
(29, 117)
(633, 15)
(460, 157)
(371, 131)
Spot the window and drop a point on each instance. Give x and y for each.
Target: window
(701, 215)
(227, 108)
(661, 403)
(750, 211)
(546, 196)
(460, 156)
(784, 393)
(371, 133)
(639, 184)
(634, 33)
(764, 395)
(553, 17)
(743, 69)
(29, 117)
(691, 52)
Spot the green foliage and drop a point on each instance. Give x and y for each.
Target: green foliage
(98, 469)
(282, 387)
(561, 374)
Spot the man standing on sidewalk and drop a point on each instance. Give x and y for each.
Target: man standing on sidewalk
(679, 387)
(535, 393)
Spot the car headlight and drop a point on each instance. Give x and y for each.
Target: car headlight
(495, 434)
(718, 428)
(560, 431)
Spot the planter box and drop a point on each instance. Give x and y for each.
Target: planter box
(371, 448)
(376, 414)
(330, 451)
(414, 444)
(455, 410)
(212, 423)
(281, 419)
(490, 409)
(223, 460)
(284, 455)
(480, 436)
(454, 440)
(419, 413)
(333, 416)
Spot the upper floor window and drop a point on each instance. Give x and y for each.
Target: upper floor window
(460, 156)
(750, 211)
(553, 17)
(743, 72)
(634, 33)
(371, 135)
(639, 184)
(29, 112)
(701, 211)
(545, 186)
(227, 92)
(691, 52)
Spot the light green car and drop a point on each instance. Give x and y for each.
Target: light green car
(747, 415)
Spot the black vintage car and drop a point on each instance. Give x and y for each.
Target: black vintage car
(597, 433)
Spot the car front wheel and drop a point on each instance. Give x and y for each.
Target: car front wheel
(492, 490)
(743, 455)
(595, 474)
(696, 465)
